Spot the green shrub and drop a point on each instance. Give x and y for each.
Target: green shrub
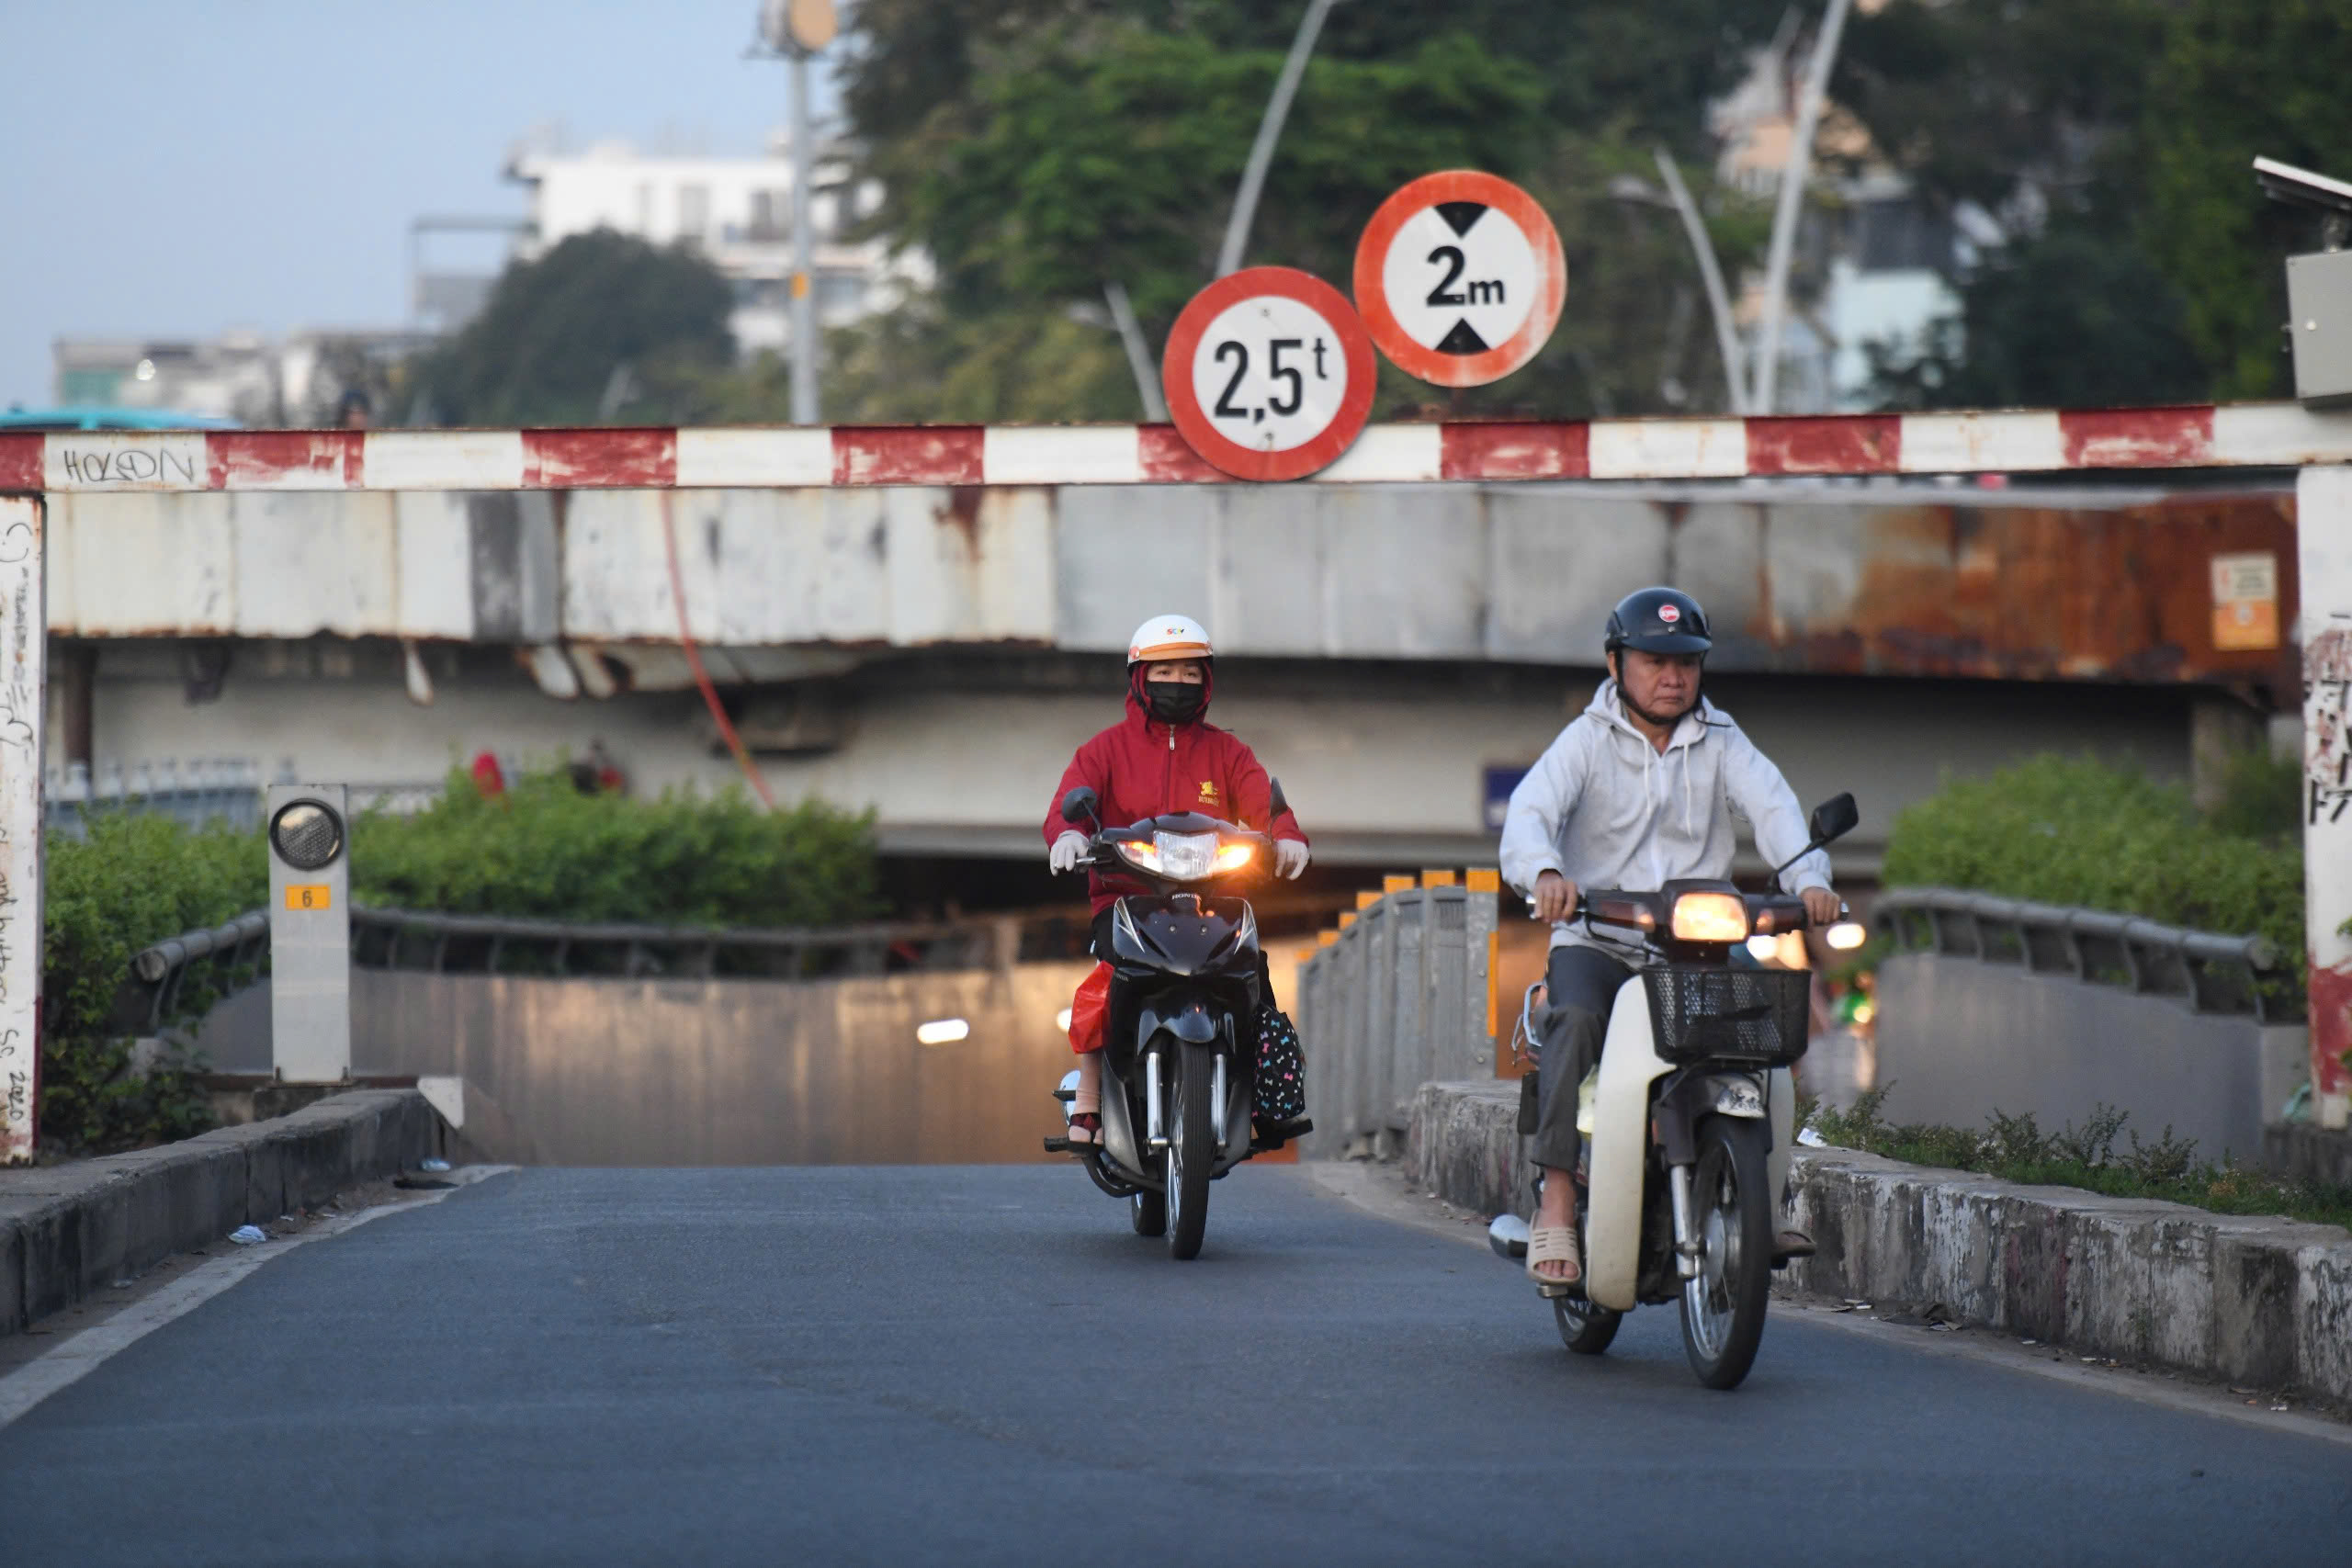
(135, 880)
(545, 851)
(2079, 831)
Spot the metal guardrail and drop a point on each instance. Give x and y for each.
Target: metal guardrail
(159, 974)
(2215, 973)
(491, 944)
(494, 944)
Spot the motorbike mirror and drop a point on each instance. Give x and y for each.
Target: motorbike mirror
(1834, 818)
(1080, 806)
(1280, 803)
(1506, 1233)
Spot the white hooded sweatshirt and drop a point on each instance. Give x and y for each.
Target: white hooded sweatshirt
(1603, 808)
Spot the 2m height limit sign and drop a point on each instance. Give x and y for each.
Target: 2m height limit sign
(1459, 277)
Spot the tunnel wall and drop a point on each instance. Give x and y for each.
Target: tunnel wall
(1959, 1039)
(730, 1072)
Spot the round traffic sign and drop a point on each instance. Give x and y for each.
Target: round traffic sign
(1459, 277)
(1269, 374)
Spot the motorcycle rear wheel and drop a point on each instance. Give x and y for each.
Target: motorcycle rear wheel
(1585, 1328)
(1723, 1309)
(1149, 1212)
(1192, 1152)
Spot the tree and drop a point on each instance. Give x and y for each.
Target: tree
(2238, 81)
(2067, 318)
(2112, 140)
(559, 329)
(1038, 150)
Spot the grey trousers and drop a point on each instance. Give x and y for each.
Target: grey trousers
(1581, 984)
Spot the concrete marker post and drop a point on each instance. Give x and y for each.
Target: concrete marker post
(23, 641)
(2324, 536)
(309, 939)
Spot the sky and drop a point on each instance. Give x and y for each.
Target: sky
(181, 169)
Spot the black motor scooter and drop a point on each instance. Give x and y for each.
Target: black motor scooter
(1180, 1051)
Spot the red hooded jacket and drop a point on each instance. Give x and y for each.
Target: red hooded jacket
(1140, 767)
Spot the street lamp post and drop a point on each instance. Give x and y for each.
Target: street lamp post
(1270, 131)
(803, 293)
(797, 29)
(1794, 176)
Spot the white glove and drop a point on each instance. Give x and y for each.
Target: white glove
(1290, 858)
(1063, 855)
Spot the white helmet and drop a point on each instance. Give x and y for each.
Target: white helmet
(1169, 637)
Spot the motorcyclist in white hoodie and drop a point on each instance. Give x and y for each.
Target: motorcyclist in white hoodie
(1638, 791)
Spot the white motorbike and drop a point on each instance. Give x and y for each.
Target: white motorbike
(1688, 1119)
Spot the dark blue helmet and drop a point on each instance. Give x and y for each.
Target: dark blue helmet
(1659, 620)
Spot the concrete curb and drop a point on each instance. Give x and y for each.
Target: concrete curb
(2262, 1302)
(67, 1231)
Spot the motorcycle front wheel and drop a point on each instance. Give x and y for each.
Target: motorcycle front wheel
(1731, 1202)
(1192, 1152)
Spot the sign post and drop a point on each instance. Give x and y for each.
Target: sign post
(1459, 277)
(1269, 374)
(24, 639)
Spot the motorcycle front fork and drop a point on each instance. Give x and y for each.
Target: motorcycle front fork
(1687, 1245)
(1155, 1116)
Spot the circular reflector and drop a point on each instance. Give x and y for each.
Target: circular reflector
(306, 834)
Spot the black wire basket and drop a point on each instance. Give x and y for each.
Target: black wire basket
(1759, 1017)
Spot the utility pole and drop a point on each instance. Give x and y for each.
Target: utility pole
(1794, 174)
(797, 29)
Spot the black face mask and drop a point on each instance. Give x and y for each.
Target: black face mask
(1175, 702)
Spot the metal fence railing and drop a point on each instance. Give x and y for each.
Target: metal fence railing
(496, 945)
(1401, 995)
(227, 957)
(224, 959)
(2238, 975)
(199, 791)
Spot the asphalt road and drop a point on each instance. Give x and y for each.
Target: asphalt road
(971, 1366)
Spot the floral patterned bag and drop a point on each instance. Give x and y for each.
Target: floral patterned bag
(1282, 1068)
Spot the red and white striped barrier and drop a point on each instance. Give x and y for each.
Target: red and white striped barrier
(2233, 436)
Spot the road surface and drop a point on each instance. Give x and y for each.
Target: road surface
(980, 1366)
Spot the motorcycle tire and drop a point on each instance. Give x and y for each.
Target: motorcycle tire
(1585, 1328)
(1149, 1212)
(1192, 1152)
(1731, 1201)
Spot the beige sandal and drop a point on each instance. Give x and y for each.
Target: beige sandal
(1553, 1244)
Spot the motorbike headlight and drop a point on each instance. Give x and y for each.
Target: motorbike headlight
(1710, 917)
(1185, 856)
(1140, 854)
(1235, 855)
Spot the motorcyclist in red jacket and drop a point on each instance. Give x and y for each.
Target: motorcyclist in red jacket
(1163, 757)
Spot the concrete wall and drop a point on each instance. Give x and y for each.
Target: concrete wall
(1958, 1039)
(730, 1072)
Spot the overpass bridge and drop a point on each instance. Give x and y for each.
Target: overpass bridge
(933, 637)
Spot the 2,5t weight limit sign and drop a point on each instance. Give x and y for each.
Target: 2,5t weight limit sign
(1269, 374)
(1459, 277)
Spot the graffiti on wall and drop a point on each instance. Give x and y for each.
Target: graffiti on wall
(2327, 747)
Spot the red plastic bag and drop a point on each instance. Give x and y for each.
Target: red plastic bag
(1088, 1009)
